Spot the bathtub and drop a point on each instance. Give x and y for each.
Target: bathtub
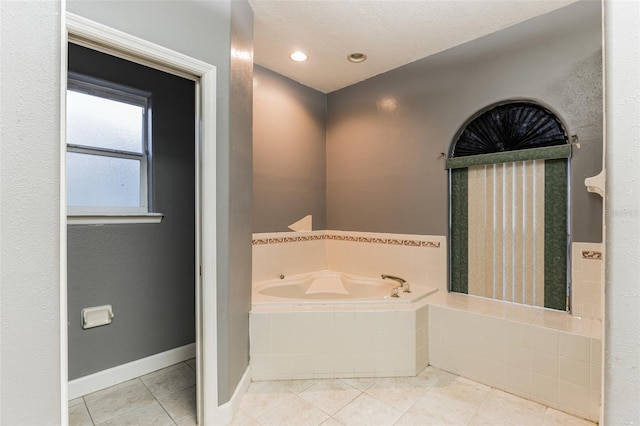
(330, 287)
(329, 324)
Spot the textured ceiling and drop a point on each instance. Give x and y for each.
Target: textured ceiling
(391, 32)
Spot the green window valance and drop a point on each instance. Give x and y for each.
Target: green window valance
(544, 153)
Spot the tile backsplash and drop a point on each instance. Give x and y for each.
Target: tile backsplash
(419, 259)
(587, 283)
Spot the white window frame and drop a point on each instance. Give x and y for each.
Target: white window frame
(116, 214)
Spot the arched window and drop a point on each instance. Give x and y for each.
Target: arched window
(509, 220)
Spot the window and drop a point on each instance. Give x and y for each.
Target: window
(509, 211)
(108, 148)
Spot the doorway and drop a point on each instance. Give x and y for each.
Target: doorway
(88, 34)
(130, 160)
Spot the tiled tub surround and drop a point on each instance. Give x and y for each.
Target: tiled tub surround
(298, 341)
(587, 285)
(420, 259)
(547, 356)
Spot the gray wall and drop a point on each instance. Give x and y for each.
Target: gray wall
(235, 211)
(202, 29)
(145, 271)
(385, 172)
(289, 156)
(30, 352)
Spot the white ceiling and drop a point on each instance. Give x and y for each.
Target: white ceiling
(391, 32)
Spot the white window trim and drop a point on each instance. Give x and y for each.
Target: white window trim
(112, 218)
(115, 214)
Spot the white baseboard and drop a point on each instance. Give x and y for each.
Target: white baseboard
(227, 410)
(131, 370)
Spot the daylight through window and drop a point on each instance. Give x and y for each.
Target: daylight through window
(108, 148)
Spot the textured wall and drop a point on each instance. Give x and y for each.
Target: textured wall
(385, 136)
(622, 284)
(145, 271)
(234, 289)
(289, 167)
(30, 387)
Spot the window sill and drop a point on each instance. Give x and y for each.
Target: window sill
(113, 218)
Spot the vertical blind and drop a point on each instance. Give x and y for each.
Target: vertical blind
(509, 231)
(506, 231)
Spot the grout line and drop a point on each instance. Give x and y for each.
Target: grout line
(175, 422)
(482, 402)
(88, 412)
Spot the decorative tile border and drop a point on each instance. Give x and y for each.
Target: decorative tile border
(337, 237)
(590, 254)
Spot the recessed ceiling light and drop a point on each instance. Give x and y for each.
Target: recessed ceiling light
(357, 57)
(298, 56)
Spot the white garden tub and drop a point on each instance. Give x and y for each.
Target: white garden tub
(326, 286)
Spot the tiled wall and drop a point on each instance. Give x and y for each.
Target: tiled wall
(288, 253)
(547, 356)
(587, 285)
(327, 341)
(419, 259)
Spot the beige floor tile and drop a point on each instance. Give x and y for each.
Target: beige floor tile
(331, 422)
(409, 419)
(330, 395)
(263, 396)
(294, 412)
(188, 421)
(366, 410)
(180, 404)
(465, 390)
(558, 418)
(169, 380)
(79, 415)
(397, 392)
(242, 419)
(438, 407)
(117, 400)
(297, 386)
(506, 409)
(76, 401)
(149, 415)
(361, 383)
(432, 377)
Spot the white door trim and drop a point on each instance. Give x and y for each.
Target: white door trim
(100, 37)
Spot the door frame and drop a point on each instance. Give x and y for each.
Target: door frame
(105, 39)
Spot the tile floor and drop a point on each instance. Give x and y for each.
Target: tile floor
(435, 397)
(163, 398)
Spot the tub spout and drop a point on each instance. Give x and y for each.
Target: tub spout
(402, 283)
(392, 277)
